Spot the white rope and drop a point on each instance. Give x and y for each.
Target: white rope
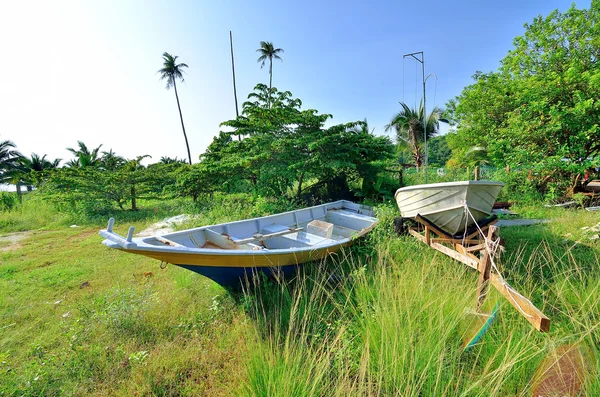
(492, 247)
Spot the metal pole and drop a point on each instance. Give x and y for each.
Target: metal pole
(237, 113)
(422, 60)
(424, 114)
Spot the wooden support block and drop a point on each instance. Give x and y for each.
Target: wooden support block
(522, 304)
(416, 234)
(427, 235)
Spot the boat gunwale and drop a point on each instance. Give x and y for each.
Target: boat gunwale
(140, 245)
(431, 186)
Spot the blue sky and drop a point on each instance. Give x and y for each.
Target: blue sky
(86, 70)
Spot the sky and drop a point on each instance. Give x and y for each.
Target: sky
(87, 70)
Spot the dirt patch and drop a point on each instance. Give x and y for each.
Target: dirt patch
(12, 241)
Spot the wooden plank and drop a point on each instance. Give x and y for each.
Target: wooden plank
(485, 266)
(473, 248)
(260, 237)
(169, 242)
(432, 227)
(416, 234)
(454, 241)
(456, 255)
(522, 304)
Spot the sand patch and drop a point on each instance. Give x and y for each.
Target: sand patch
(165, 226)
(11, 241)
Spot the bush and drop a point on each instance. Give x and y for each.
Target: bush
(8, 201)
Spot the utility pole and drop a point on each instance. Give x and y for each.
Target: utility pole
(422, 60)
(237, 113)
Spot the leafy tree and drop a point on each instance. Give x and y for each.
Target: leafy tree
(541, 108)
(285, 147)
(268, 52)
(408, 124)
(84, 157)
(173, 71)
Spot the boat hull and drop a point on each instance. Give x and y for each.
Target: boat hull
(444, 203)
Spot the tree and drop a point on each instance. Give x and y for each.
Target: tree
(9, 160)
(33, 169)
(84, 157)
(173, 71)
(541, 108)
(439, 151)
(111, 162)
(408, 124)
(287, 151)
(268, 52)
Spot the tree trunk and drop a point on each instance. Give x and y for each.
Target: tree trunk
(270, 81)
(182, 126)
(300, 186)
(19, 194)
(133, 199)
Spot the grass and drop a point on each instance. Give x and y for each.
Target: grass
(385, 317)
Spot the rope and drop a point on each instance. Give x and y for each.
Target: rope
(492, 248)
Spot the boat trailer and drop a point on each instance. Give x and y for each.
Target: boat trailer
(478, 248)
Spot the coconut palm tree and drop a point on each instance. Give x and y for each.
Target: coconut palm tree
(9, 160)
(268, 51)
(31, 169)
(408, 124)
(111, 162)
(172, 71)
(84, 157)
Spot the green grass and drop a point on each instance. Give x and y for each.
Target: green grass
(385, 317)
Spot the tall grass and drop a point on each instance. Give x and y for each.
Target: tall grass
(396, 324)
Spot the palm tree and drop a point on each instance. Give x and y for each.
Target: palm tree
(84, 157)
(268, 51)
(172, 71)
(31, 169)
(112, 162)
(408, 124)
(9, 160)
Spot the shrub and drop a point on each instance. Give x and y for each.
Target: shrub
(8, 201)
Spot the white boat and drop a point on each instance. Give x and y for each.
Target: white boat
(444, 203)
(271, 244)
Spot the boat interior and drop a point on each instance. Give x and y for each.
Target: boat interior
(317, 226)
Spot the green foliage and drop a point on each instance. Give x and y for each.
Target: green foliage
(438, 150)
(8, 201)
(92, 191)
(541, 107)
(283, 149)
